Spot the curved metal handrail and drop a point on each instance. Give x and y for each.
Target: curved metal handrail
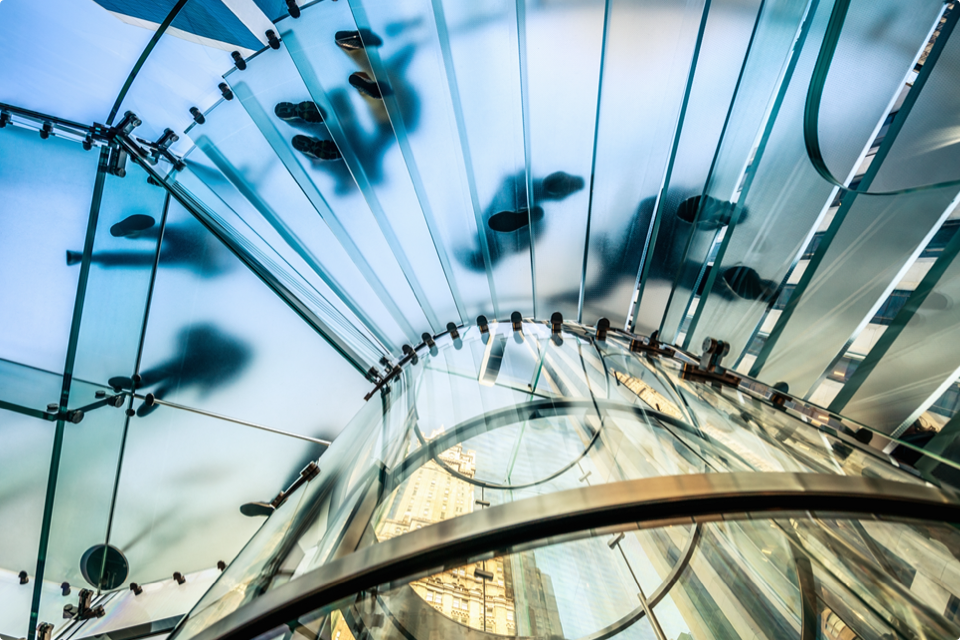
(642, 503)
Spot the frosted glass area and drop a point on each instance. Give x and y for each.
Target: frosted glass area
(24, 465)
(118, 285)
(651, 43)
(338, 222)
(265, 247)
(427, 117)
(238, 359)
(484, 43)
(221, 465)
(362, 129)
(718, 67)
(46, 188)
(564, 72)
(232, 143)
(786, 196)
(878, 236)
(776, 30)
(66, 58)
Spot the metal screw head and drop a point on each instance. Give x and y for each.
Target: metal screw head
(53, 407)
(100, 393)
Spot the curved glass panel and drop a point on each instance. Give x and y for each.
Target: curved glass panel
(497, 417)
(807, 575)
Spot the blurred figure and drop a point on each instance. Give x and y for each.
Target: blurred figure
(507, 214)
(181, 247)
(206, 358)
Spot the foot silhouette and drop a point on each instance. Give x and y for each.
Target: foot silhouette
(316, 149)
(354, 40)
(510, 221)
(308, 112)
(132, 225)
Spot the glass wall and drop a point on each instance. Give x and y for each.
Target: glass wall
(511, 421)
(112, 291)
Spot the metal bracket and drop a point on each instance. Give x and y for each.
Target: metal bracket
(653, 347)
(709, 369)
(84, 609)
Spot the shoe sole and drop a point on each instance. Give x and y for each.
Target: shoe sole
(286, 111)
(132, 224)
(316, 149)
(306, 111)
(366, 87)
(508, 221)
(309, 112)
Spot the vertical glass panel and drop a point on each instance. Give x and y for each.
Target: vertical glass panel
(232, 144)
(177, 75)
(563, 46)
(46, 188)
(922, 355)
(651, 44)
(83, 501)
(878, 238)
(427, 117)
(220, 466)
(128, 232)
(219, 340)
(294, 280)
(730, 26)
(126, 240)
(485, 54)
(24, 468)
(783, 196)
(343, 83)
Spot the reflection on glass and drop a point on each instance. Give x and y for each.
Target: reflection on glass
(563, 412)
(796, 576)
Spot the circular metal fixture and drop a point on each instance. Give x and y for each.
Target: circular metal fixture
(104, 566)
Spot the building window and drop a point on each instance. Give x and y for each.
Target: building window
(953, 609)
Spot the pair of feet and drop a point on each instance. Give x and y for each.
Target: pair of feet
(352, 41)
(310, 113)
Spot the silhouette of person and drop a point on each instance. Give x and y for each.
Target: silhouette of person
(507, 215)
(619, 251)
(181, 247)
(369, 146)
(206, 358)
